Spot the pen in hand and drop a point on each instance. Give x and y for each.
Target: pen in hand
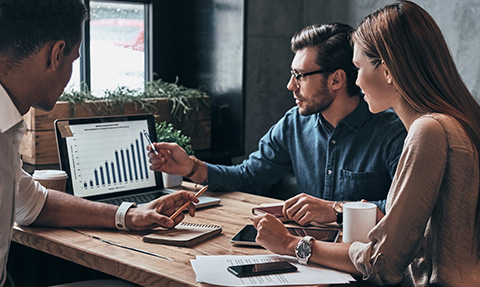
(188, 203)
(150, 142)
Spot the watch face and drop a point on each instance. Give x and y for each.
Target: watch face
(338, 206)
(304, 250)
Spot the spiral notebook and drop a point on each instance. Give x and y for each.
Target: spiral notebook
(184, 234)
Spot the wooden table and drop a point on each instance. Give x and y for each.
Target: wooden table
(146, 270)
(78, 246)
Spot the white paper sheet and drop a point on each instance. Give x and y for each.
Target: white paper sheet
(213, 270)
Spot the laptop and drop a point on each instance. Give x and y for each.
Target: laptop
(106, 159)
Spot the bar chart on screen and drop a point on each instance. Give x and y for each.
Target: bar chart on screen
(109, 157)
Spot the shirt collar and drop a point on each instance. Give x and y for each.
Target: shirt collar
(354, 120)
(9, 114)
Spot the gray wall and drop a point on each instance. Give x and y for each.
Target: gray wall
(271, 23)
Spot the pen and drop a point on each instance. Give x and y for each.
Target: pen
(150, 142)
(187, 203)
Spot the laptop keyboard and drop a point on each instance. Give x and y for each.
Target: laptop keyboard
(137, 198)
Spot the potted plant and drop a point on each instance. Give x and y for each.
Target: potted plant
(167, 133)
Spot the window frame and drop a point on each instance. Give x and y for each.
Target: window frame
(85, 66)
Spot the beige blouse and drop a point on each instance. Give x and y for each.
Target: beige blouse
(428, 234)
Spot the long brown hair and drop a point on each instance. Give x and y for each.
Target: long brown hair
(407, 39)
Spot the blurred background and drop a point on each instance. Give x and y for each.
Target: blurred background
(238, 51)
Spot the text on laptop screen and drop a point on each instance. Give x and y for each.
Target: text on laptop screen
(108, 157)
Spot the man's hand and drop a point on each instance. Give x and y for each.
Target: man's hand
(274, 236)
(156, 212)
(171, 159)
(305, 209)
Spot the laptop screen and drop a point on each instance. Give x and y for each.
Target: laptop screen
(106, 156)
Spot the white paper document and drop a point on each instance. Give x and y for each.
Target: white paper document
(213, 270)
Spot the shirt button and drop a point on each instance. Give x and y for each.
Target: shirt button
(329, 171)
(333, 141)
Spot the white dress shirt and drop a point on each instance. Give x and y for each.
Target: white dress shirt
(21, 198)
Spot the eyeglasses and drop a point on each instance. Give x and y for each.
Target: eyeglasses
(298, 77)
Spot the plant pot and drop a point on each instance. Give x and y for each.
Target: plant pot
(170, 180)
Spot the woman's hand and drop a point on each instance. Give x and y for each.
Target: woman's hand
(274, 236)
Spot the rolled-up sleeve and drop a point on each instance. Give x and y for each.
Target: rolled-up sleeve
(29, 200)
(361, 256)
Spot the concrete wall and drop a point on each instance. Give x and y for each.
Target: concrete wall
(271, 23)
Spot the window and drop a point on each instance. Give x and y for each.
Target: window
(115, 47)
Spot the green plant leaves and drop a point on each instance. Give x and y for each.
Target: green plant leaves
(167, 133)
(184, 99)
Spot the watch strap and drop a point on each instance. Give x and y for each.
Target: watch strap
(339, 214)
(339, 218)
(120, 215)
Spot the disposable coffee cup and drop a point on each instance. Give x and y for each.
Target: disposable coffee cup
(51, 179)
(170, 180)
(358, 219)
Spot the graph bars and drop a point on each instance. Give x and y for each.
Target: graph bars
(109, 157)
(129, 165)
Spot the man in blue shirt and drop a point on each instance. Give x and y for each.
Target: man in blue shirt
(336, 148)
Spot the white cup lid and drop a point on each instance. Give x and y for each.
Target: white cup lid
(359, 205)
(49, 174)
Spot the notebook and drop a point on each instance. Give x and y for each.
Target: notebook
(184, 234)
(106, 159)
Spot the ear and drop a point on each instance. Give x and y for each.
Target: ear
(56, 55)
(338, 79)
(387, 74)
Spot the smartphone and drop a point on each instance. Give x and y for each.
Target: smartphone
(262, 269)
(247, 235)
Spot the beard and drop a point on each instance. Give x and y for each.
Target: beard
(320, 101)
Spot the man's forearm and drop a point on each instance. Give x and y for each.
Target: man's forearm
(201, 173)
(65, 210)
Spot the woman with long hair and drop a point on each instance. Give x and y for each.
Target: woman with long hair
(430, 232)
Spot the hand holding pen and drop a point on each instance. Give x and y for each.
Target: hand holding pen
(188, 203)
(150, 142)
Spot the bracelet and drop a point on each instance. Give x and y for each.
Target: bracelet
(196, 162)
(120, 215)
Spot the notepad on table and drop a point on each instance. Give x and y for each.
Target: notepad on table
(184, 234)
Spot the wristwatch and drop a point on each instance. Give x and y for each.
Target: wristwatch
(303, 251)
(338, 208)
(121, 213)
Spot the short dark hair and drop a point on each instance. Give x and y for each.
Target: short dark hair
(334, 49)
(26, 25)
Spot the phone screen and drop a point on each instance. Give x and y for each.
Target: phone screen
(262, 268)
(247, 235)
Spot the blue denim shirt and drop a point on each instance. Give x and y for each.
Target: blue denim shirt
(356, 160)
